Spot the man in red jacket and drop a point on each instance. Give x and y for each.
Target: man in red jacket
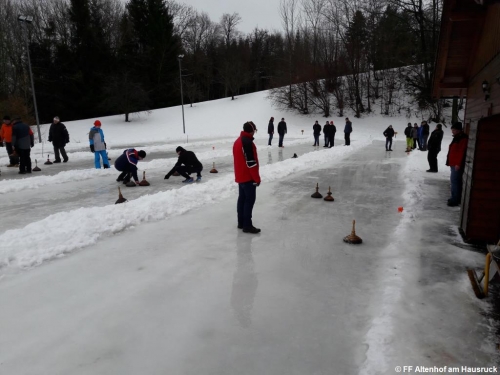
(246, 173)
(456, 161)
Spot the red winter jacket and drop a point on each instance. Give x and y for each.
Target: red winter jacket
(457, 150)
(246, 162)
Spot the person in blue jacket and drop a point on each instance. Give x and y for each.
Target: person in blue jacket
(127, 164)
(98, 146)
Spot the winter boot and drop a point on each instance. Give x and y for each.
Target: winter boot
(188, 180)
(198, 179)
(252, 230)
(106, 166)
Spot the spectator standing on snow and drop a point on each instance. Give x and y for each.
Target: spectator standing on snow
(325, 133)
(347, 131)
(59, 136)
(409, 137)
(316, 133)
(425, 135)
(434, 147)
(22, 141)
(414, 135)
(331, 134)
(246, 173)
(456, 161)
(187, 163)
(127, 164)
(388, 134)
(281, 131)
(270, 130)
(6, 136)
(98, 145)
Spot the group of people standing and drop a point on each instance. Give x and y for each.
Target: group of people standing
(431, 142)
(329, 131)
(19, 139)
(417, 136)
(282, 130)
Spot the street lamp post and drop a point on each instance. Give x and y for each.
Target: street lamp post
(24, 20)
(182, 95)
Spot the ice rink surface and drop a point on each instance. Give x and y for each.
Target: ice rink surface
(192, 294)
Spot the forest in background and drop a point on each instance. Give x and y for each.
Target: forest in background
(93, 58)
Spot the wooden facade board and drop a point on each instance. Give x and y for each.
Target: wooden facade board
(469, 53)
(489, 45)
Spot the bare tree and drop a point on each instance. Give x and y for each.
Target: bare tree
(291, 20)
(183, 17)
(228, 23)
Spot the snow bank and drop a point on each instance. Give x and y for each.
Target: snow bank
(65, 232)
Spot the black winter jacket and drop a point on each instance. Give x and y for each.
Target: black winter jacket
(389, 132)
(408, 131)
(270, 127)
(282, 127)
(425, 129)
(434, 143)
(189, 159)
(58, 135)
(317, 129)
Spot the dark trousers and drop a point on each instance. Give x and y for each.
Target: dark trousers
(12, 159)
(280, 143)
(347, 137)
(24, 160)
(331, 140)
(456, 185)
(388, 143)
(433, 160)
(316, 139)
(57, 157)
(270, 139)
(425, 138)
(185, 171)
(124, 176)
(326, 140)
(416, 142)
(246, 200)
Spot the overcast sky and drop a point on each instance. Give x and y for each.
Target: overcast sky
(254, 13)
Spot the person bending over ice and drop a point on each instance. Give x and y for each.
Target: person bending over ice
(186, 164)
(127, 164)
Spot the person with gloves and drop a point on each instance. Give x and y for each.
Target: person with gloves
(98, 146)
(186, 164)
(127, 164)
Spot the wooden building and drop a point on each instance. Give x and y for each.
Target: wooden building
(468, 65)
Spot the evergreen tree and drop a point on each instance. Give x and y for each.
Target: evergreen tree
(157, 49)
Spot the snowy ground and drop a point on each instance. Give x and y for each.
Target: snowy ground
(166, 284)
